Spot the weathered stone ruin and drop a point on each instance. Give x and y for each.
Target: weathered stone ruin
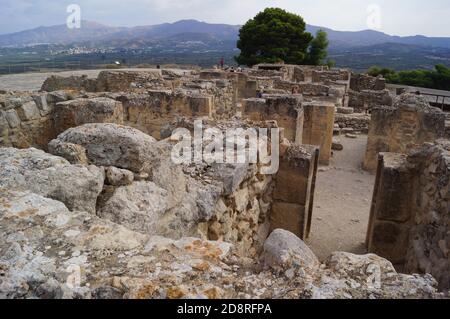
(409, 221)
(92, 204)
(367, 92)
(409, 123)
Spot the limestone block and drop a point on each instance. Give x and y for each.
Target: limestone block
(118, 177)
(286, 110)
(76, 186)
(289, 217)
(200, 106)
(13, 118)
(15, 102)
(292, 184)
(3, 121)
(318, 128)
(42, 104)
(82, 111)
(138, 206)
(113, 145)
(241, 199)
(345, 110)
(394, 179)
(28, 111)
(57, 96)
(283, 250)
(75, 154)
(390, 240)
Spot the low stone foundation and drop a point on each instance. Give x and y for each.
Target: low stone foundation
(357, 121)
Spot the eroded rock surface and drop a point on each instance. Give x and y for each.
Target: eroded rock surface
(138, 206)
(46, 251)
(113, 145)
(76, 186)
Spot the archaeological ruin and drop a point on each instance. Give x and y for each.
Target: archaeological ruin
(93, 205)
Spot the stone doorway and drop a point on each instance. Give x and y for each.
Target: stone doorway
(342, 201)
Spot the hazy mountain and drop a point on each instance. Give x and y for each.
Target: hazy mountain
(92, 32)
(58, 34)
(190, 40)
(340, 39)
(95, 32)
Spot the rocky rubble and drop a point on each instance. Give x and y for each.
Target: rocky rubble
(46, 251)
(33, 170)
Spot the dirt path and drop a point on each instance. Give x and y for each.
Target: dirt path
(342, 202)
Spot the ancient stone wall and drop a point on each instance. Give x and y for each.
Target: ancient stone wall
(119, 81)
(222, 90)
(366, 100)
(285, 109)
(306, 89)
(397, 129)
(80, 83)
(288, 72)
(242, 212)
(149, 112)
(409, 222)
(81, 111)
(32, 120)
(26, 119)
(212, 75)
(331, 75)
(244, 86)
(107, 81)
(361, 82)
(357, 121)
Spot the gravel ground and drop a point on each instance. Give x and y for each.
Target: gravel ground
(342, 202)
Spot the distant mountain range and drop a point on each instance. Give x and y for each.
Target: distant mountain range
(187, 29)
(100, 34)
(195, 35)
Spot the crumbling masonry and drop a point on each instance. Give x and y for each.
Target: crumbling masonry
(86, 166)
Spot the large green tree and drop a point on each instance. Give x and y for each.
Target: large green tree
(318, 49)
(274, 35)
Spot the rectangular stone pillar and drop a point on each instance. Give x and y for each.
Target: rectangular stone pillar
(388, 231)
(293, 194)
(318, 127)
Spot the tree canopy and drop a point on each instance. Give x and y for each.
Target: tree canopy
(439, 78)
(318, 48)
(275, 35)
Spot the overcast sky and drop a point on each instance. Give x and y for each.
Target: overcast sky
(399, 17)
